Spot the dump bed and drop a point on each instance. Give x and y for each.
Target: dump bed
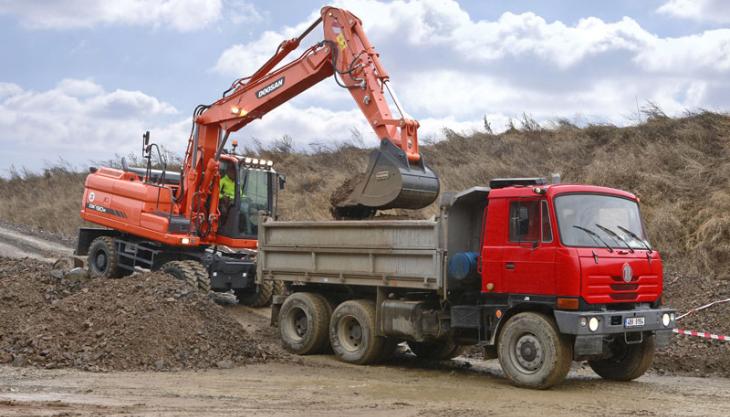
(399, 253)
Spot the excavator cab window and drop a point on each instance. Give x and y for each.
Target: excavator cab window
(254, 194)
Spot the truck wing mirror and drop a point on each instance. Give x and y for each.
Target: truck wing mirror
(282, 181)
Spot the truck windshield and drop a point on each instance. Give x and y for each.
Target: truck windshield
(613, 219)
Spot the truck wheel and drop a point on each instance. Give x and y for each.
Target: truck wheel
(304, 322)
(103, 259)
(192, 272)
(532, 353)
(259, 296)
(437, 351)
(628, 361)
(352, 332)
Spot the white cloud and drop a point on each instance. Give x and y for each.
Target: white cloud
(79, 121)
(183, 15)
(450, 68)
(427, 26)
(717, 11)
(708, 51)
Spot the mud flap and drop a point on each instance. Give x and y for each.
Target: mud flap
(390, 181)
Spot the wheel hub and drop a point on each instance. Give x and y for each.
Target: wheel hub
(300, 324)
(350, 333)
(529, 353)
(101, 261)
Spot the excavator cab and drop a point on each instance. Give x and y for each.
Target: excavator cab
(257, 186)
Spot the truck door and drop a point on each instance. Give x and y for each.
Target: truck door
(528, 257)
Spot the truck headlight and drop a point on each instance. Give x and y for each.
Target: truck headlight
(593, 324)
(666, 319)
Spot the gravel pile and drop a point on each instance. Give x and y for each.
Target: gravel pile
(143, 322)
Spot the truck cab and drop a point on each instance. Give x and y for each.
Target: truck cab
(576, 254)
(584, 244)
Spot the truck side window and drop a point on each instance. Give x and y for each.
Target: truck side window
(524, 225)
(547, 231)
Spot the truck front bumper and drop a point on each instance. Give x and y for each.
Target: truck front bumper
(614, 323)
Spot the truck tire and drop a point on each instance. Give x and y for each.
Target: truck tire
(191, 272)
(532, 352)
(352, 333)
(304, 323)
(260, 296)
(628, 361)
(103, 258)
(435, 351)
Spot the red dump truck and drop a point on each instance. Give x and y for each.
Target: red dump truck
(538, 274)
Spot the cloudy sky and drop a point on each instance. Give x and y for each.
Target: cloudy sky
(82, 79)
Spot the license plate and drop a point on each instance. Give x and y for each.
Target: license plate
(634, 322)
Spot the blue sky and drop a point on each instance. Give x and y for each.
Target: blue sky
(81, 80)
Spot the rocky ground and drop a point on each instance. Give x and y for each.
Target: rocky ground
(690, 355)
(146, 321)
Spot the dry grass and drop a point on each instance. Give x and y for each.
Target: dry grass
(680, 168)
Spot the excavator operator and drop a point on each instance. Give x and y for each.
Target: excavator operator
(227, 190)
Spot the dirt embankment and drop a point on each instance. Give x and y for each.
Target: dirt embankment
(690, 355)
(145, 321)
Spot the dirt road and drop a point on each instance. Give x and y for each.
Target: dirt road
(323, 387)
(319, 385)
(17, 244)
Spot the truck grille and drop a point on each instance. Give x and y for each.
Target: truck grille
(613, 289)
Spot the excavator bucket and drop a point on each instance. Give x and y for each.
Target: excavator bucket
(390, 181)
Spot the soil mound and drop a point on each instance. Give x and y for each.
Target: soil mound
(145, 321)
(690, 355)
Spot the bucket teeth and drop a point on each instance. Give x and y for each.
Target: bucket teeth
(390, 181)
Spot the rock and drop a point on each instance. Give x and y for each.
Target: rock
(224, 364)
(77, 274)
(19, 360)
(159, 364)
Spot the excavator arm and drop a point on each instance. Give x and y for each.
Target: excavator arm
(396, 176)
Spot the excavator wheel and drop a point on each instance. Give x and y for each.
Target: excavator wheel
(258, 297)
(103, 259)
(192, 272)
(279, 288)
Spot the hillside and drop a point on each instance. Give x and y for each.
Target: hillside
(680, 168)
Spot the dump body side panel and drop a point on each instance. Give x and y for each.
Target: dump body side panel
(404, 254)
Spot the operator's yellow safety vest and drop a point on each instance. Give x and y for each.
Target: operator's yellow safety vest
(227, 187)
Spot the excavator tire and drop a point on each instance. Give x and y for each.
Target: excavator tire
(279, 288)
(192, 272)
(259, 297)
(103, 259)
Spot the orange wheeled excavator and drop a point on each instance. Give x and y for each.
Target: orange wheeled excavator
(179, 223)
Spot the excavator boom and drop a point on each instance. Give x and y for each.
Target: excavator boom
(396, 176)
